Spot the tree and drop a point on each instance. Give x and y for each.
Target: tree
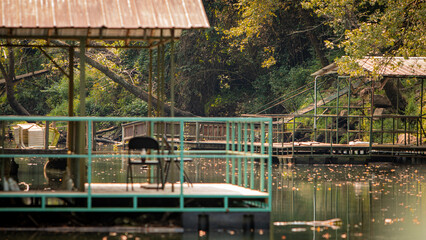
(135, 90)
(9, 76)
(374, 28)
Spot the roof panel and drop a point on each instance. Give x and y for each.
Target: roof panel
(44, 13)
(55, 15)
(128, 14)
(196, 13)
(79, 13)
(162, 14)
(112, 14)
(388, 67)
(61, 14)
(2, 14)
(179, 14)
(11, 13)
(145, 13)
(28, 15)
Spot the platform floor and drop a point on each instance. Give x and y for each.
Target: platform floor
(188, 189)
(199, 189)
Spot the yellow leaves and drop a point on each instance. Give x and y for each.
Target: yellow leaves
(269, 57)
(329, 44)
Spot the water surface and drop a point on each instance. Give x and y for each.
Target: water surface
(374, 201)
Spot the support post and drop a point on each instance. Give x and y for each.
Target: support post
(371, 116)
(315, 109)
(349, 109)
(172, 97)
(70, 135)
(46, 135)
(150, 86)
(421, 113)
(80, 168)
(337, 110)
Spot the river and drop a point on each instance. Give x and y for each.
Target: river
(374, 201)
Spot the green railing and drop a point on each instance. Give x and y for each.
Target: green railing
(248, 165)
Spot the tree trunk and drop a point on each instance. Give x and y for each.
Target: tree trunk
(135, 90)
(394, 94)
(315, 42)
(10, 92)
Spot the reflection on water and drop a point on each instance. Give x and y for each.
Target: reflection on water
(375, 201)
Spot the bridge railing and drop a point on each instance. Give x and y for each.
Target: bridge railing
(328, 128)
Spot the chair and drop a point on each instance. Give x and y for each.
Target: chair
(140, 144)
(176, 161)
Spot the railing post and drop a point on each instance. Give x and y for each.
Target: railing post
(245, 152)
(89, 164)
(233, 149)
(46, 135)
(239, 151)
(337, 110)
(294, 132)
(421, 113)
(315, 108)
(197, 133)
(252, 152)
(349, 109)
(371, 117)
(262, 160)
(181, 165)
(270, 146)
(227, 151)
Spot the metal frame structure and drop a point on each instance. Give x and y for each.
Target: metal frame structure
(239, 153)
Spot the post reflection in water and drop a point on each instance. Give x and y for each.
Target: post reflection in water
(372, 201)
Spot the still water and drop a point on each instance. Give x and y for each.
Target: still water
(374, 201)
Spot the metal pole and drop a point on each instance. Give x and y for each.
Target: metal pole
(337, 111)
(70, 134)
(262, 160)
(349, 109)
(81, 126)
(371, 116)
(158, 82)
(251, 159)
(239, 151)
(294, 132)
(245, 152)
(421, 113)
(46, 135)
(315, 109)
(393, 130)
(326, 129)
(150, 85)
(172, 97)
(82, 109)
(232, 149)
(227, 149)
(405, 131)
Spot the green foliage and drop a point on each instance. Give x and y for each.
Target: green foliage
(412, 107)
(373, 28)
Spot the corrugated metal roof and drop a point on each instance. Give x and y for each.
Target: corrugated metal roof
(107, 19)
(388, 67)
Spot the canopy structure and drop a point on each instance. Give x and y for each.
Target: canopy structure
(99, 19)
(86, 23)
(386, 67)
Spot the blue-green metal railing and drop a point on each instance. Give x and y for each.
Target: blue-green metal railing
(238, 149)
